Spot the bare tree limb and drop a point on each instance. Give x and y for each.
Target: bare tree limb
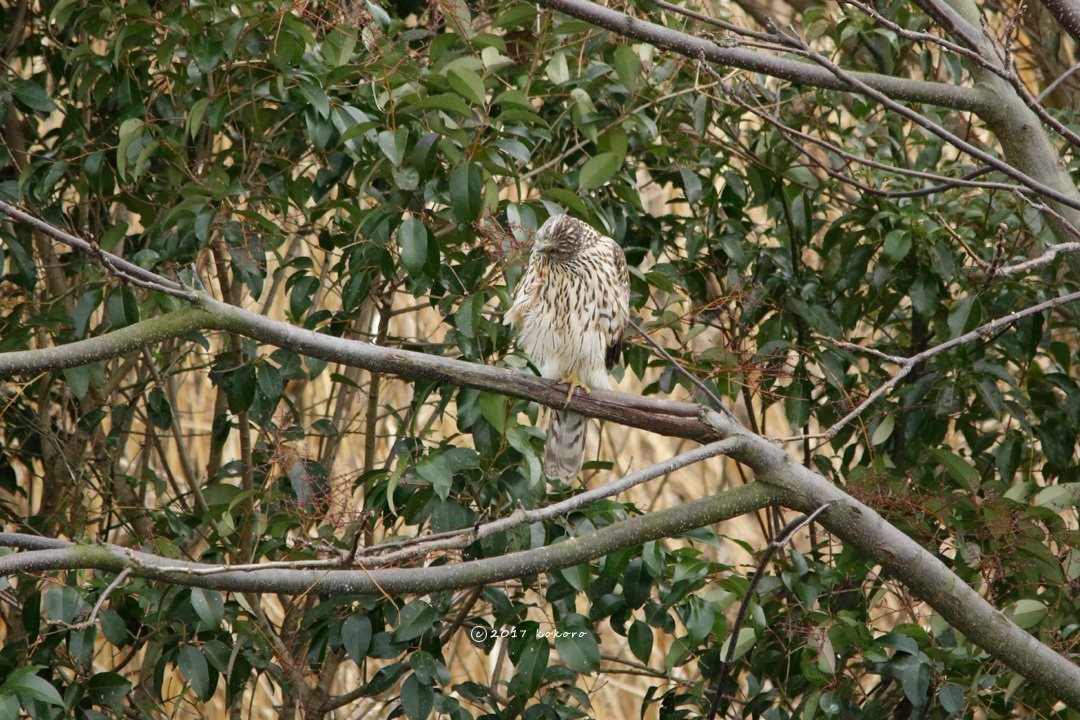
(802, 73)
(1067, 13)
(122, 268)
(924, 122)
(60, 555)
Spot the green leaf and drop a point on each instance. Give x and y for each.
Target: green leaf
(466, 193)
(108, 688)
(385, 678)
(959, 316)
(81, 644)
(301, 295)
(637, 583)
(691, 186)
(337, 48)
(64, 604)
(577, 647)
(316, 96)
(62, 11)
(1058, 497)
(884, 430)
(412, 238)
(393, 144)
(558, 71)
(417, 699)
(195, 117)
(209, 605)
(26, 681)
(627, 66)
(640, 636)
(32, 96)
(897, 245)
(531, 666)
(122, 308)
(653, 557)
(493, 408)
(436, 471)
(698, 617)
(416, 618)
(467, 84)
(915, 679)
(958, 468)
(158, 408)
(598, 170)
(113, 627)
(130, 130)
(78, 379)
(746, 640)
(240, 385)
(1026, 613)
(678, 653)
(446, 101)
(193, 667)
(924, 294)
(569, 200)
(951, 697)
(356, 636)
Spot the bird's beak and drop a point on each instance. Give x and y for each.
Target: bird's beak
(542, 244)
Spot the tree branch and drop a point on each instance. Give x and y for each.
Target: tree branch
(122, 268)
(60, 555)
(1067, 13)
(800, 73)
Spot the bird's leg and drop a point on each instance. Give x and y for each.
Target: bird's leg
(574, 383)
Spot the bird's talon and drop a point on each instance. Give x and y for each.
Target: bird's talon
(574, 383)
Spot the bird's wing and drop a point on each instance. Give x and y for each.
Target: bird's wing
(620, 303)
(526, 291)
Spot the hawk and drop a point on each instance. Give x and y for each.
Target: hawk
(570, 310)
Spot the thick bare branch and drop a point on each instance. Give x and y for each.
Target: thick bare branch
(1067, 13)
(796, 71)
(59, 555)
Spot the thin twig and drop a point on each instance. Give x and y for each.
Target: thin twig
(120, 577)
(457, 539)
(1057, 81)
(781, 539)
(730, 27)
(683, 371)
(122, 268)
(844, 345)
(909, 363)
(1030, 184)
(944, 183)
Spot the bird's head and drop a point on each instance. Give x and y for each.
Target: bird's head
(562, 237)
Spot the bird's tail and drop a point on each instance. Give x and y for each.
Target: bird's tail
(564, 450)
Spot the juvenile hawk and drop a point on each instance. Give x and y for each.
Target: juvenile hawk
(571, 309)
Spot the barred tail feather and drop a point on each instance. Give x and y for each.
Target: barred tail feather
(564, 450)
